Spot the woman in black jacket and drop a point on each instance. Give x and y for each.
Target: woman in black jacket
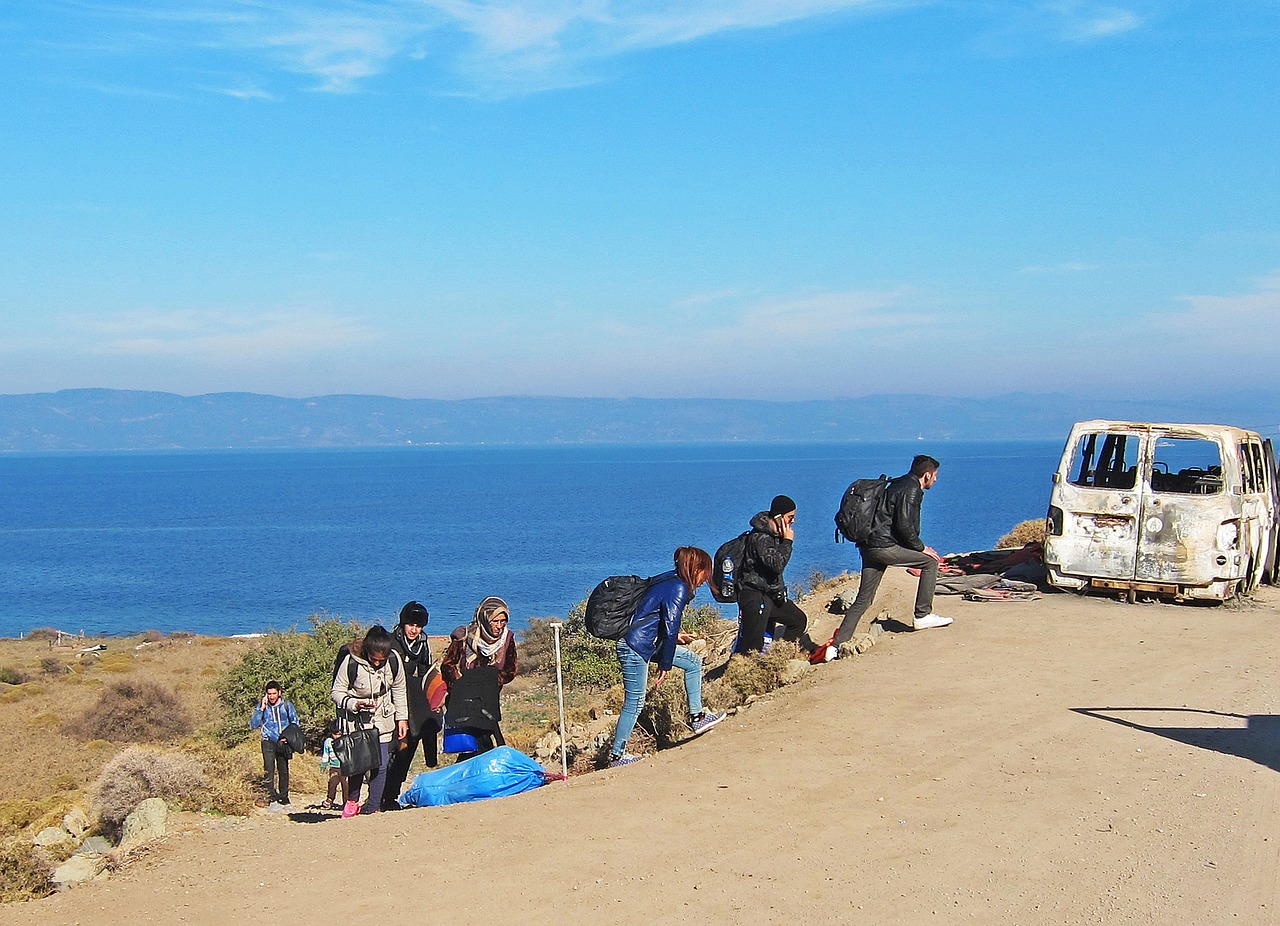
(410, 641)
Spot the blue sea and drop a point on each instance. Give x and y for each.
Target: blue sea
(243, 541)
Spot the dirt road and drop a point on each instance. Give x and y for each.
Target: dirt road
(1066, 761)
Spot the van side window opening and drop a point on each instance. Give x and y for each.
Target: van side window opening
(1186, 466)
(1248, 477)
(1104, 460)
(1258, 468)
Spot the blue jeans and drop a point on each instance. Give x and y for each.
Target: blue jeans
(635, 678)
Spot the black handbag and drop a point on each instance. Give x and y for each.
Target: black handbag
(359, 751)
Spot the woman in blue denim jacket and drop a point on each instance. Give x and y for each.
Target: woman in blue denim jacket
(655, 636)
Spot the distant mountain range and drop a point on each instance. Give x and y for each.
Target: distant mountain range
(108, 419)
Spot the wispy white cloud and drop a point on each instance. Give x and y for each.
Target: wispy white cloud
(492, 47)
(1086, 21)
(824, 316)
(205, 337)
(1249, 314)
(1068, 266)
(242, 93)
(1017, 26)
(700, 300)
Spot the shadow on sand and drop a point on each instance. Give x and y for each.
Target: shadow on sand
(1253, 736)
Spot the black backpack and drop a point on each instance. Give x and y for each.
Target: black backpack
(612, 604)
(858, 509)
(724, 588)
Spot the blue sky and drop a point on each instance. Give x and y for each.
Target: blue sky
(752, 198)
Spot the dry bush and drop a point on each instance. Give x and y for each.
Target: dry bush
(820, 583)
(52, 665)
(12, 676)
(1022, 534)
(234, 776)
(152, 636)
(23, 874)
(137, 774)
(43, 634)
(45, 720)
(134, 712)
(523, 738)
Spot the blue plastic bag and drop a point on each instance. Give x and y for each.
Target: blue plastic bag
(496, 773)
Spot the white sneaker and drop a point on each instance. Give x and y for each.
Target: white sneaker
(929, 621)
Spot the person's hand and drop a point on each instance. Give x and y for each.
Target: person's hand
(402, 730)
(684, 637)
(264, 702)
(934, 553)
(660, 678)
(786, 529)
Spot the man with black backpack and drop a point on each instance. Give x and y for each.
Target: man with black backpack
(893, 539)
(762, 589)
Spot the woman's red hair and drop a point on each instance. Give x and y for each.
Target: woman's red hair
(693, 565)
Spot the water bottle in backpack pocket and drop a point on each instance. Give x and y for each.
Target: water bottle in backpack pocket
(726, 568)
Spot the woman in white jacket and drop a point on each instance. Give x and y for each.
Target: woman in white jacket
(368, 688)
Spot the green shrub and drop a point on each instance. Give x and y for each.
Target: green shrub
(585, 660)
(137, 774)
(134, 712)
(301, 662)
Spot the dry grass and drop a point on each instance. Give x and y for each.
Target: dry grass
(35, 758)
(1023, 533)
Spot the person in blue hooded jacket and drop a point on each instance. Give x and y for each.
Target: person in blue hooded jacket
(655, 636)
(273, 714)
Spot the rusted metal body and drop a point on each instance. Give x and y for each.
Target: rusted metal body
(1175, 510)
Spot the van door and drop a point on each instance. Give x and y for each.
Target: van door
(1271, 568)
(1181, 511)
(1100, 496)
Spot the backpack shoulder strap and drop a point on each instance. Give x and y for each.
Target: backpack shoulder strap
(352, 668)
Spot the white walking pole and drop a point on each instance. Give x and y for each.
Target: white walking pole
(564, 750)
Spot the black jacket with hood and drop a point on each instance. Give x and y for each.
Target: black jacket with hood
(767, 555)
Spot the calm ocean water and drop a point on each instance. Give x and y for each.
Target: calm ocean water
(231, 542)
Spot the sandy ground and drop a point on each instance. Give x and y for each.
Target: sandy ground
(1061, 761)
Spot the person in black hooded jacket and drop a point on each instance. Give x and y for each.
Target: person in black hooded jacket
(409, 639)
(762, 593)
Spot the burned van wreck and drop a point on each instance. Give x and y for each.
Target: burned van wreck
(1173, 510)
